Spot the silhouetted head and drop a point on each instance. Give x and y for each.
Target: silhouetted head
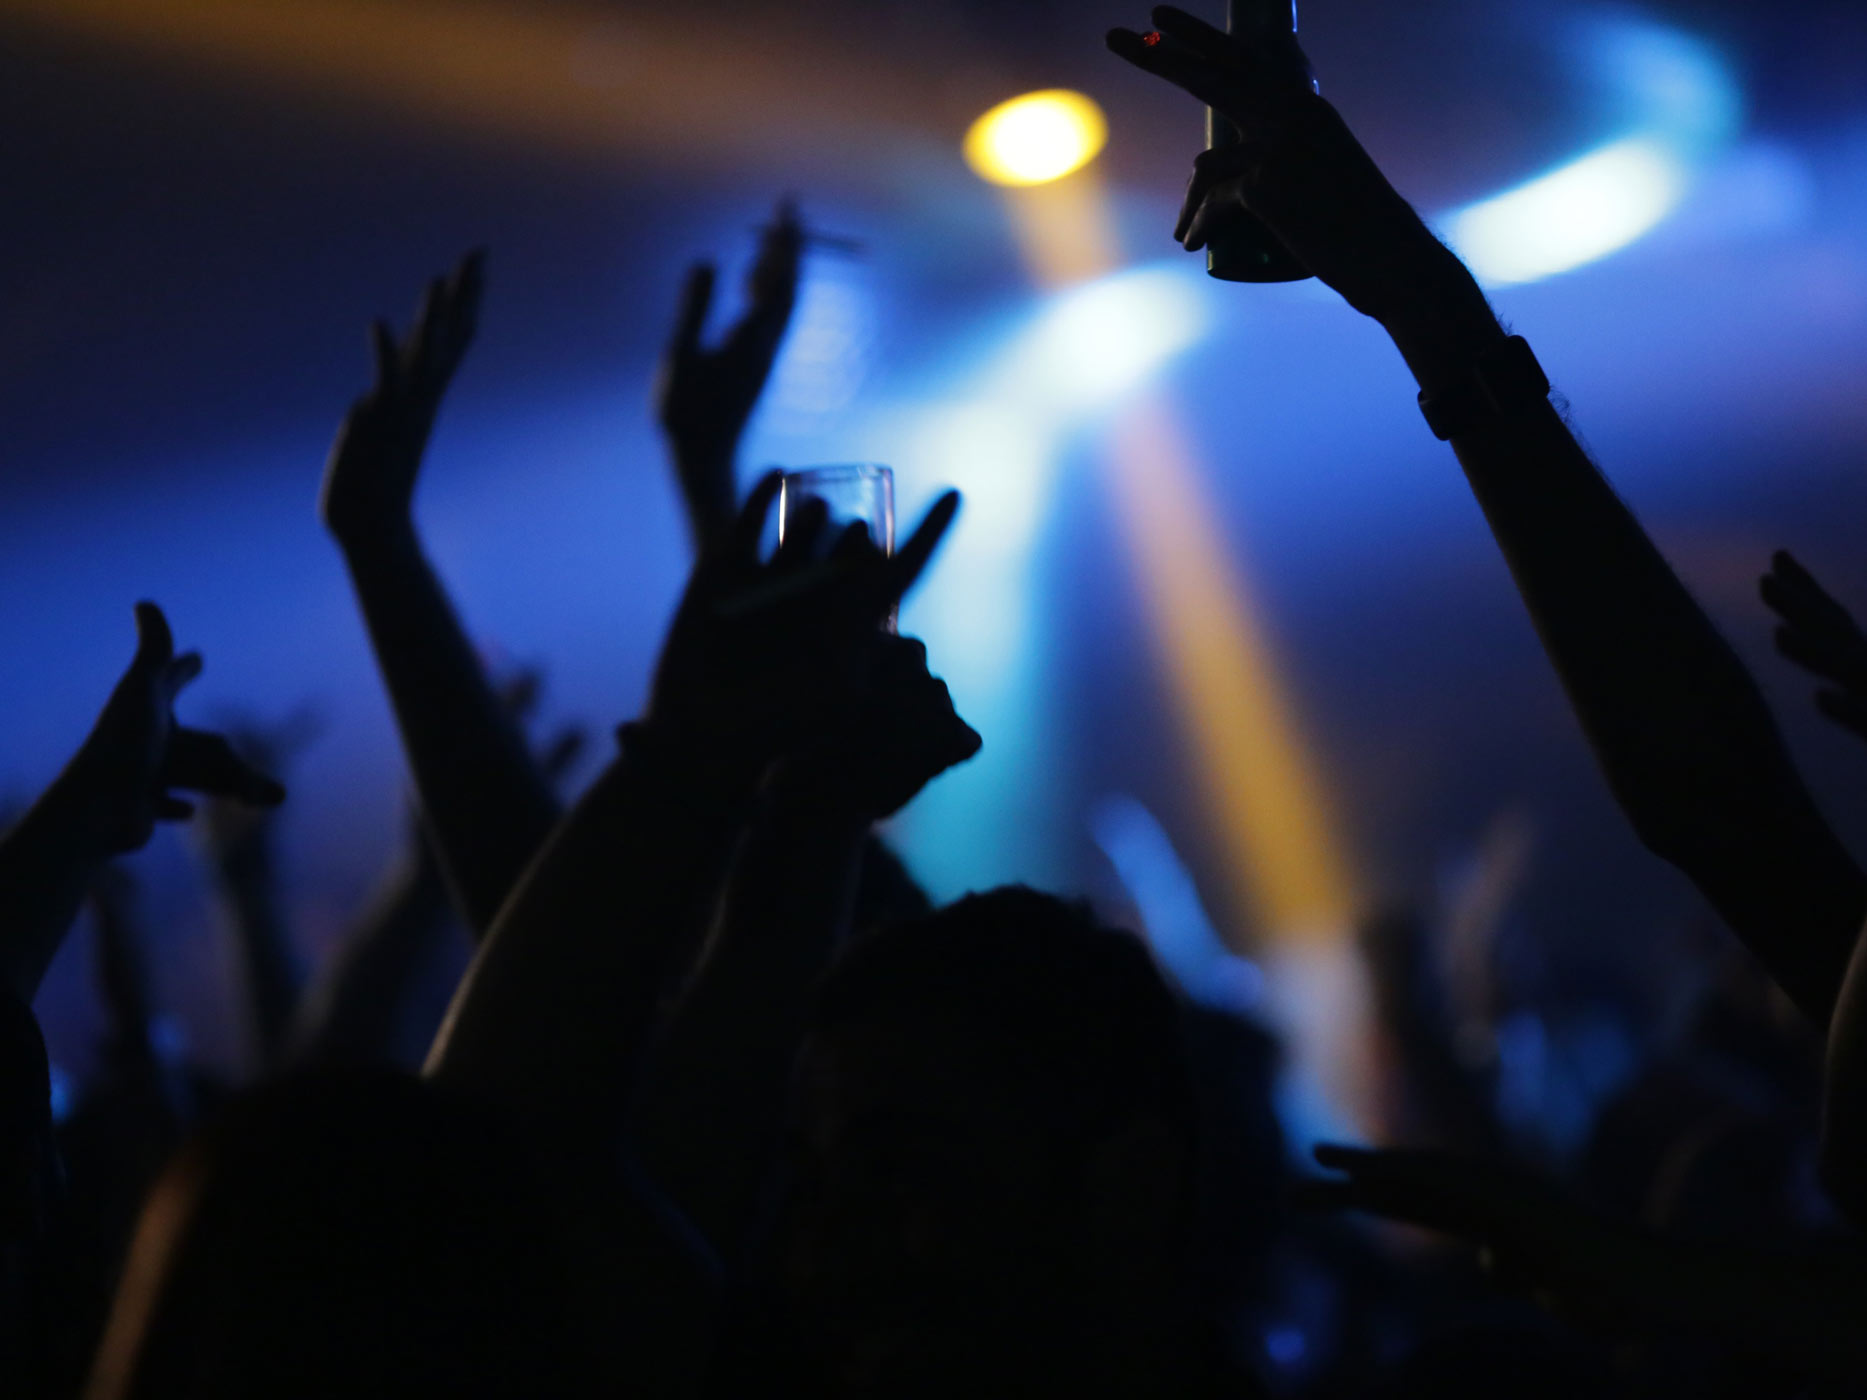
(992, 1133)
(355, 1234)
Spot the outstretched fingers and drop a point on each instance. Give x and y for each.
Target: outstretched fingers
(1211, 169)
(155, 643)
(388, 357)
(800, 537)
(907, 565)
(691, 317)
(772, 284)
(198, 760)
(1153, 53)
(1421, 1188)
(1818, 633)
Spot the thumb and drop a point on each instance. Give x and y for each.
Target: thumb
(155, 644)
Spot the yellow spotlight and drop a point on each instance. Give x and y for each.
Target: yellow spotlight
(1036, 138)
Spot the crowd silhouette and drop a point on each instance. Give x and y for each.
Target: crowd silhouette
(723, 1104)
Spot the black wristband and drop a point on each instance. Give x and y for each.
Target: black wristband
(1506, 380)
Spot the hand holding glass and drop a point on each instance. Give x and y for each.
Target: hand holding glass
(859, 492)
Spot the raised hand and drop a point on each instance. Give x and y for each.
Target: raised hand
(1819, 635)
(487, 817)
(704, 396)
(756, 660)
(233, 833)
(107, 801)
(1532, 1237)
(894, 732)
(123, 780)
(556, 753)
(1299, 168)
(369, 480)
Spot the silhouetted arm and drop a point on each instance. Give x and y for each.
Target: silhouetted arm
(107, 802)
(557, 1004)
(1687, 743)
(714, 1091)
(481, 793)
(362, 1008)
(1680, 730)
(122, 973)
(240, 848)
(356, 1007)
(1802, 1310)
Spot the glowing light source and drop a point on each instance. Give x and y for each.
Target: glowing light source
(1680, 105)
(1573, 215)
(1036, 138)
(1094, 344)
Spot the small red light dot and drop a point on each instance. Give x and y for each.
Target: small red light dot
(1151, 38)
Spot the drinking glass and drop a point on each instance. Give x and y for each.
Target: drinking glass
(852, 492)
(859, 491)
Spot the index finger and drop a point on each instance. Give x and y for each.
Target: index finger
(747, 529)
(202, 761)
(908, 563)
(1199, 37)
(691, 318)
(1184, 69)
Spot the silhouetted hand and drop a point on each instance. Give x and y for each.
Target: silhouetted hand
(369, 481)
(119, 783)
(704, 396)
(759, 658)
(1299, 169)
(1532, 1237)
(1819, 635)
(896, 732)
(232, 832)
(557, 752)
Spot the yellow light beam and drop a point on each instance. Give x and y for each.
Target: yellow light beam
(1249, 755)
(1285, 871)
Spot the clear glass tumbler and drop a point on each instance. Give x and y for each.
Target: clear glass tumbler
(857, 491)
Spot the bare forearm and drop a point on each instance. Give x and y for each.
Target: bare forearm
(714, 1093)
(486, 804)
(1680, 729)
(559, 1000)
(45, 874)
(268, 969)
(705, 478)
(356, 1012)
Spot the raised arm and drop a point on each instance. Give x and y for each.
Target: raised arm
(367, 1004)
(356, 1008)
(558, 1003)
(1679, 727)
(1821, 636)
(551, 1019)
(482, 795)
(714, 1091)
(107, 801)
(239, 845)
